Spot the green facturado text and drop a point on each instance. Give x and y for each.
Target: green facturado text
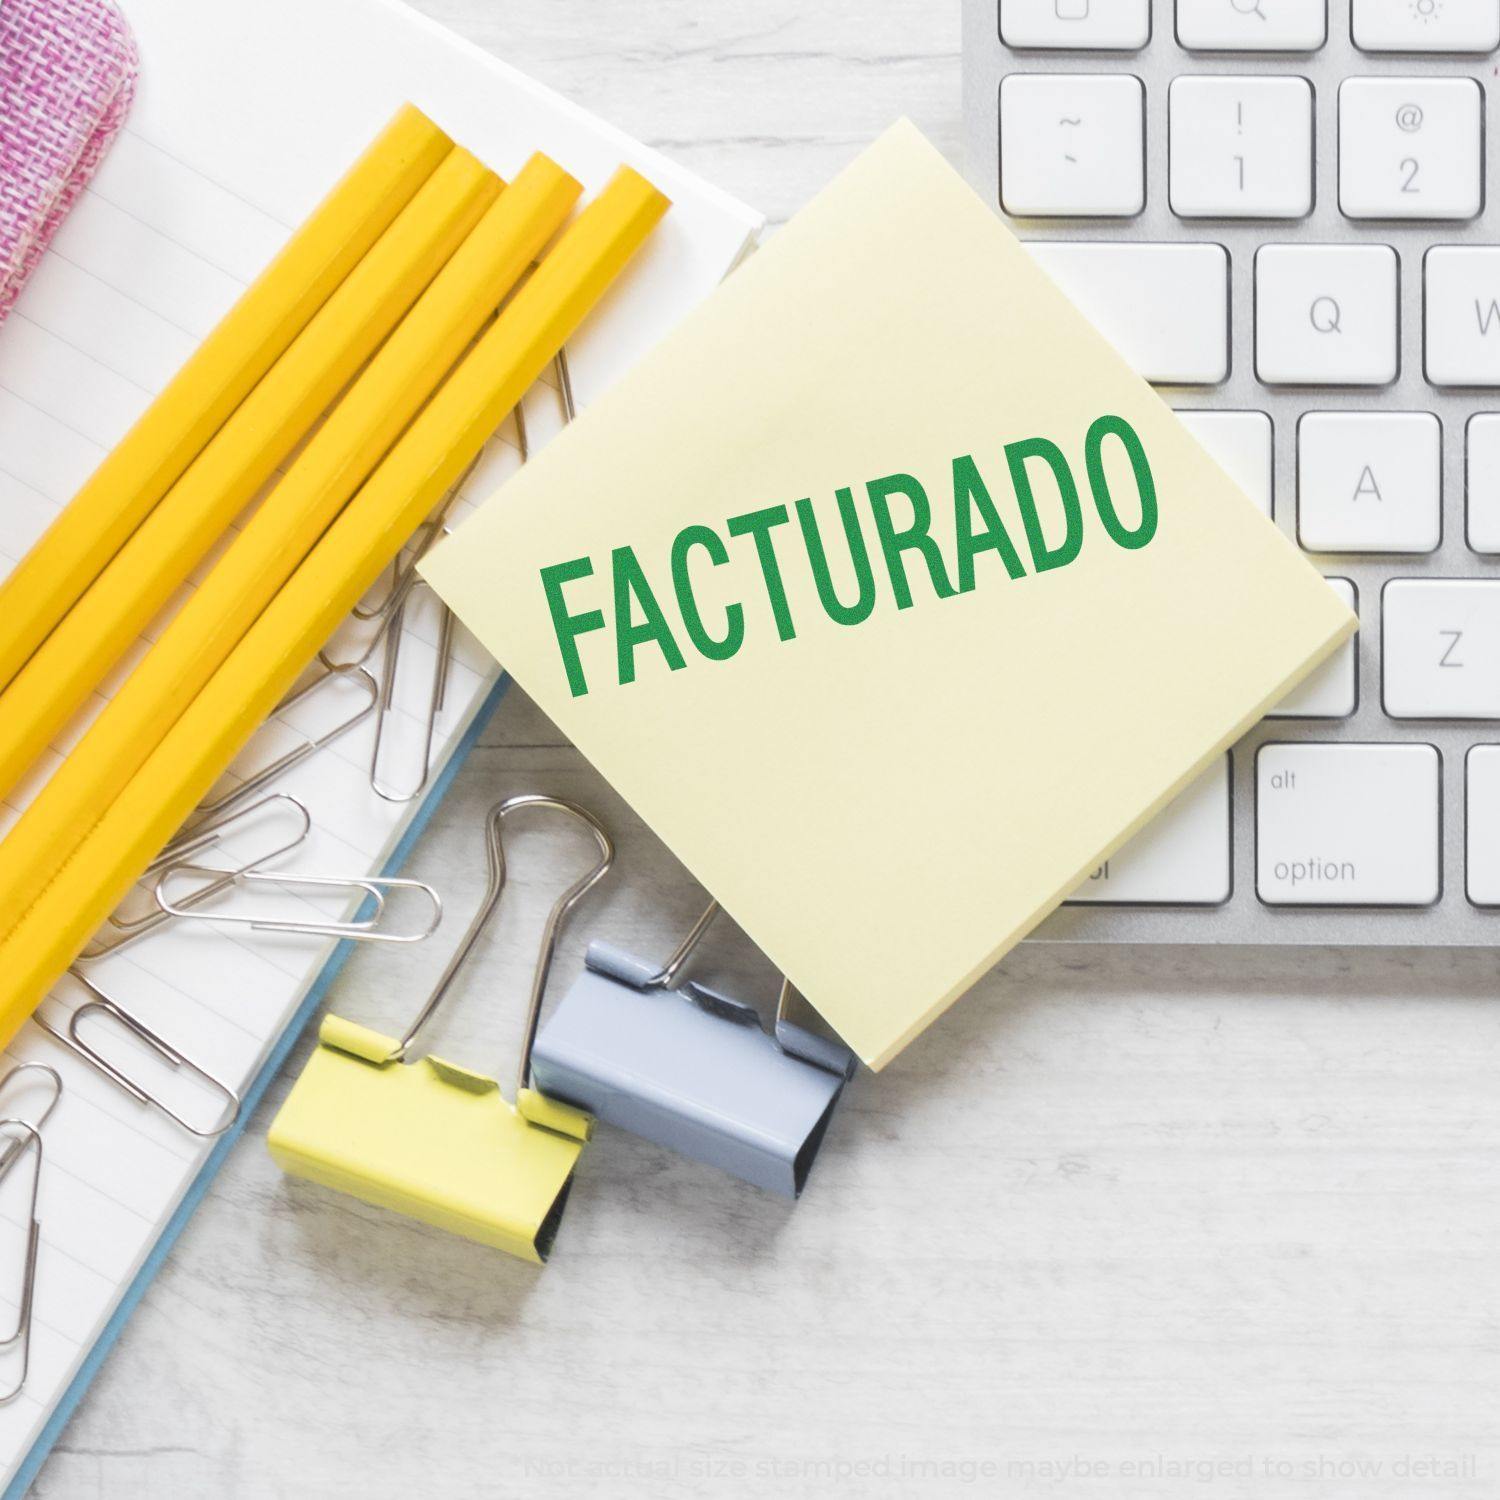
(775, 539)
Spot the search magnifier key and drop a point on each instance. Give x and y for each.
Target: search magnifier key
(1094, 25)
(1252, 25)
(1326, 314)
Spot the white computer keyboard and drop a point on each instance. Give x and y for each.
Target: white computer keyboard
(1280, 211)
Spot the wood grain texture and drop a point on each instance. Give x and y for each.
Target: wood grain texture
(1150, 1208)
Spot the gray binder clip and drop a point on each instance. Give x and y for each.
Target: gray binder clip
(691, 1068)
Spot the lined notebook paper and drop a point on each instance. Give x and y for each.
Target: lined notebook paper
(245, 115)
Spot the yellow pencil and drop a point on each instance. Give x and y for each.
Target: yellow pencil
(266, 426)
(60, 917)
(340, 456)
(278, 305)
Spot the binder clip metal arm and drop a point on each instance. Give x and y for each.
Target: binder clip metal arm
(691, 1068)
(432, 1139)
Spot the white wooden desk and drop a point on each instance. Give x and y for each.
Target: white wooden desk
(1120, 1208)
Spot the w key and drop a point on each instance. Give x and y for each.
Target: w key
(1441, 648)
(1463, 315)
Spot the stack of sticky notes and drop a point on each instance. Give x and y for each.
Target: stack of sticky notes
(889, 596)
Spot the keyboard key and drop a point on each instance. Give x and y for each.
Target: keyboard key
(1369, 481)
(1482, 824)
(1182, 857)
(1103, 25)
(1348, 825)
(1332, 692)
(1483, 444)
(1463, 315)
(1326, 314)
(1072, 144)
(1164, 307)
(1411, 148)
(1241, 148)
(1252, 25)
(1427, 25)
(1240, 443)
(1440, 642)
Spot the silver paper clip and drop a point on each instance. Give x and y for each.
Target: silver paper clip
(390, 620)
(20, 1136)
(364, 927)
(391, 614)
(311, 744)
(565, 394)
(12, 1148)
(125, 929)
(403, 577)
(691, 1068)
(101, 1004)
(436, 696)
(25, 1137)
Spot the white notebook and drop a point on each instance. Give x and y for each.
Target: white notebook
(245, 116)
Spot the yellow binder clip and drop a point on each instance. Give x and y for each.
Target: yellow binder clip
(433, 1140)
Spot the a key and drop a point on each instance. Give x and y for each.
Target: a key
(1347, 825)
(1072, 144)
(1331, 692)
(1241, 148)
(1483, 469)
(1326, 314)
(1440, 645)
(1369, 481)
(1463, 315)
(1251, 25)
(1103, 25)
(1411, 148)
(1482, 824)
(1427, 25)
(1164, 307)
(1240, 443)
(1182, 856)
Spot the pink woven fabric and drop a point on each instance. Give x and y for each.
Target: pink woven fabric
(67, 75)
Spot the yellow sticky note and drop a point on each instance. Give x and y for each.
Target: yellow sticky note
(889, 596)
